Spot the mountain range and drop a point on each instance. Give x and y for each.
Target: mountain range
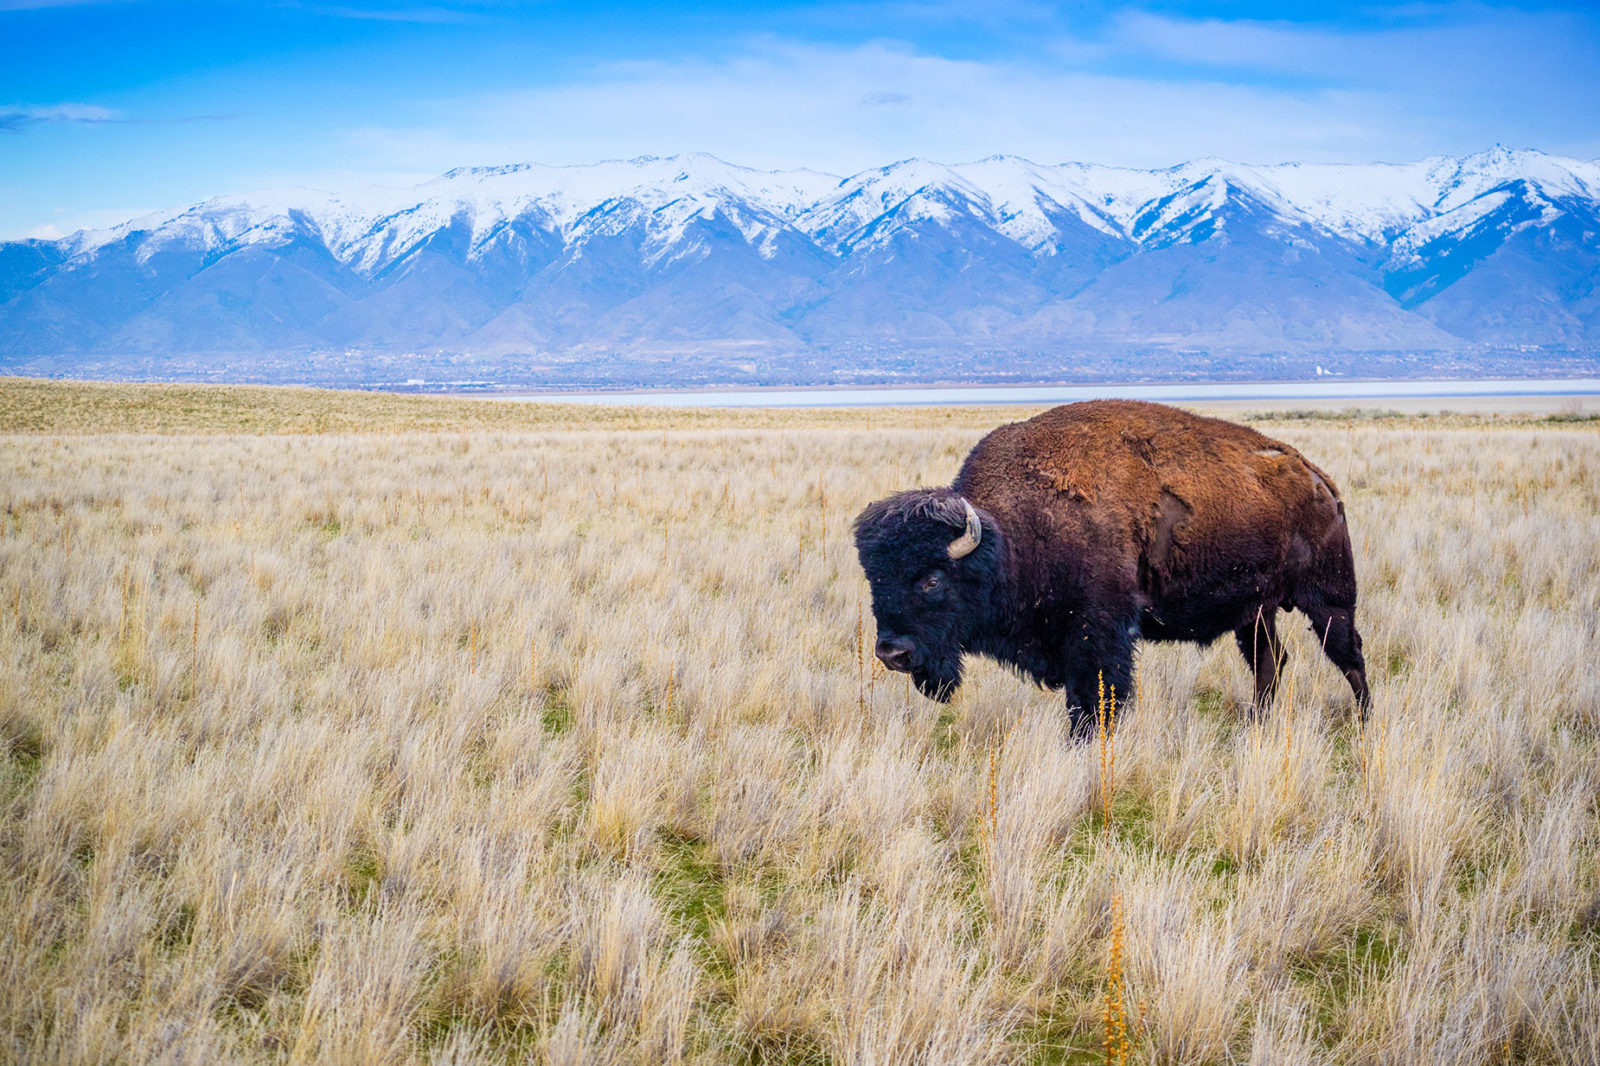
(691, 270)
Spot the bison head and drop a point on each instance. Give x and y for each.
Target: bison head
(931, 558)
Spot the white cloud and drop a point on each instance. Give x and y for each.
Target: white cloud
(389, 14)
(13, 119)
(1146, 90)
(783, 104)
(34, 5)
(68, 221)
(1138, 89)
(1465, 46)
(1468, 70)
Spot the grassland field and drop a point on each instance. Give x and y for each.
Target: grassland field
(370, 729)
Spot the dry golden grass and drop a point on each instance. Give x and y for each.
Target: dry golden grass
(358, 747)
(32, 405)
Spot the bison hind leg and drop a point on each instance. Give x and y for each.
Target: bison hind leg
(1263, 653)
(1335, 628)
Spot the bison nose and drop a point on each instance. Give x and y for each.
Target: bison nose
(897, 653)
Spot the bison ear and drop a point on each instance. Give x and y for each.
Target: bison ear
(967, 543)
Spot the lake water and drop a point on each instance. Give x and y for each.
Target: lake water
(910, 396)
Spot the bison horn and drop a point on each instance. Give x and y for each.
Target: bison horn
(963, 545)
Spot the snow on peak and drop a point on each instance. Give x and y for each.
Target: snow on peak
(1023, 201)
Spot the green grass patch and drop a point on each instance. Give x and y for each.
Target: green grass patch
(1131, 819)
(178, 932)
(1333, 981)
(1213, 703)
(362, 875)
(1570, 417)
(1051, 1043)
(556, 714)
(944, 730)
(24, 758)
(692, 887)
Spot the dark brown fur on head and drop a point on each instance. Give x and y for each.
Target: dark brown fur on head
(925, 603)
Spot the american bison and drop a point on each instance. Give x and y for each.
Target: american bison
(1067, 537)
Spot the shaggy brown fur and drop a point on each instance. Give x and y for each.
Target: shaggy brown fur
(1106, 522)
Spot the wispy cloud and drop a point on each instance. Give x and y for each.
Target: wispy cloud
(1468, 44)
(841, 109)
(417, 13)
(994, 14)
(819, 84)
(65, 220)
(35, 5)
(1139, 89)
(885, 99)
(14, 119)
(398, 14)
(17, 119)
(1466, 70)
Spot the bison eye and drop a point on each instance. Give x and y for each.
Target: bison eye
(931, 583)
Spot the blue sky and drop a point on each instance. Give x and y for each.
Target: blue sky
(109, 109)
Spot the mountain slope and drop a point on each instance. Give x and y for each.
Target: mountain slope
(534, 272)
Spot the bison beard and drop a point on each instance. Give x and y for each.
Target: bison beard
(1068, 537)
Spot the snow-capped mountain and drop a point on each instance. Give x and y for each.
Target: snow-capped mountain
(709, 271)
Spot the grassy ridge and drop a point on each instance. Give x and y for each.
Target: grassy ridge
(29, 405)
(542, 741)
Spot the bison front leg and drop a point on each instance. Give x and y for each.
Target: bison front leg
(1263, 651)
(1100, 677)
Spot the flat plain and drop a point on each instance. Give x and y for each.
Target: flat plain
(363, 729)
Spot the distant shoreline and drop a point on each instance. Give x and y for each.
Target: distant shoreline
(1351, 392)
